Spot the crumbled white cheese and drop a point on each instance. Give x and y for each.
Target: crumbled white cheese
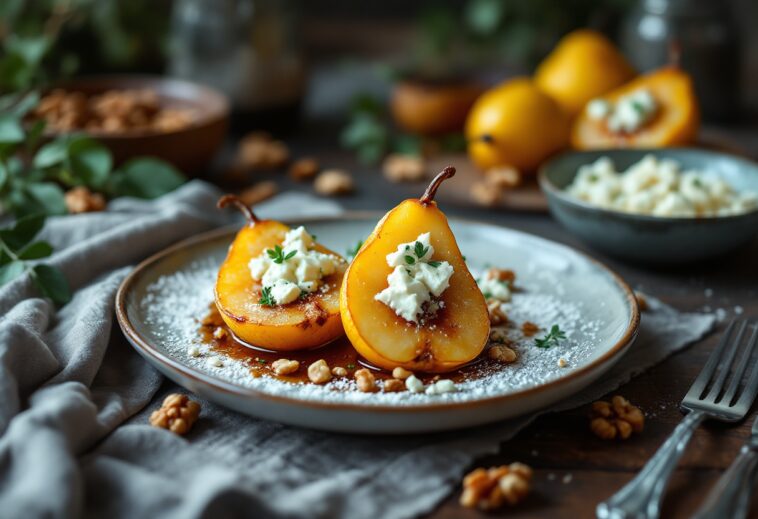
(193, 351)
(493, 288)
(294, 269)
(440, 387)
(627, 115)
(414, 384)
(415, 278)
(215, 362)
(660, 188)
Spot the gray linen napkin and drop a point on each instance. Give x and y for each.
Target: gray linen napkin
(74, 402)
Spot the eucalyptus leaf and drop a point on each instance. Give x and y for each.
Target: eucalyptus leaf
(51, 154)
(10, 129)
(34, 133)
(49, 196)
(24, 104)
(52, 283)
(11, 271)
(23, 231)
(31, 48)
(15, 72)
(36, 250)
(407, 145)
(90, 161)
(3, 174)
(146, 178)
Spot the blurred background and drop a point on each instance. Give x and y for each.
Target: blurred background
(370, 78)
(290, 54)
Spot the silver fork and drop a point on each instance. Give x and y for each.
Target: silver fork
(730, 497)
(724, 390)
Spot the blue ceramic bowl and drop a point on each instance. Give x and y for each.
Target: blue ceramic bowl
(652, 239)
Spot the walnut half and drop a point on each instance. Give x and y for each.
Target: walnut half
(177, 414)
(615, 419)
(489, 489)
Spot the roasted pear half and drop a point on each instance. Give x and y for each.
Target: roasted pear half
(458, 330)
(308, 322)
(676, 123)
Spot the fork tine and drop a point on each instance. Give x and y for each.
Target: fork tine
(726, 366)
(741, 368)
(698, 386)
(748, 394)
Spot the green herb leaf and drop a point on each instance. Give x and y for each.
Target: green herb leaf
(434, 264)
(351, 253)
(31, 48)
(350, 366)
(90, 161)
(551, 338)
(11, 271)
(266, 298)
(410, 260)
(51, 154)
(3, 174)
(34, 134)
(277, 254)
(10, 129)
(407, 145)
(36, 250)
(146, 178)
(48, 196)
(52, 283)
(420, 250)
(23, 231)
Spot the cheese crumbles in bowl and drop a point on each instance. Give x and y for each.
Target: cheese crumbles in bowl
(664, 206)
(659, 187)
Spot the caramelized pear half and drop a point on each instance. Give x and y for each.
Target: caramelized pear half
(675, 124)
(455, 335)
(306, 323)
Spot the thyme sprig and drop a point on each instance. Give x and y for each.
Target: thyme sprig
(551, 338)
(278, 256)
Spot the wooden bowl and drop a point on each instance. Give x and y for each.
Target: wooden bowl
(191, 148)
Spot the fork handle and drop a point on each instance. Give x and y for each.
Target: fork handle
(731, 495)
(641, 497)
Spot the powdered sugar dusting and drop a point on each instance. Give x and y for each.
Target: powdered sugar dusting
(565, 289)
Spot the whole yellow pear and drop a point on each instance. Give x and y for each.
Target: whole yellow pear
(515, 124)
(584, 65)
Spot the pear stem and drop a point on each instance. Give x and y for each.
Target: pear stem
(443, 175)
(242, 206)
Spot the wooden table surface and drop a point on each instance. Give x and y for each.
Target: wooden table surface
(574, 470)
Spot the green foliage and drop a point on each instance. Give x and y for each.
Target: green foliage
(366, 132)
(369, 134)
(19, 252)
(37, 185)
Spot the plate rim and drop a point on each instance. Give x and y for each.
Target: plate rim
(147, 350)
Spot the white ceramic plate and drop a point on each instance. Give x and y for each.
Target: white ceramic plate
(160, 303)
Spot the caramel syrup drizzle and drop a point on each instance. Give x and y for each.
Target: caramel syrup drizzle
(339, 353)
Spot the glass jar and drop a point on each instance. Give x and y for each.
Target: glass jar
(248, 49)
(706, 35)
